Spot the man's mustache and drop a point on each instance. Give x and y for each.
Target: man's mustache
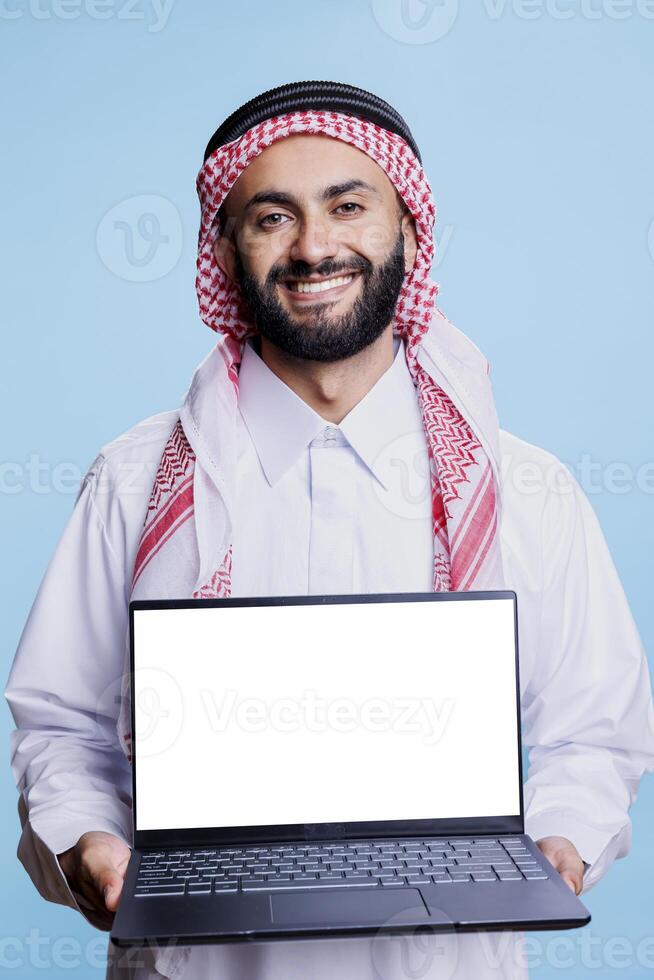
(326, 269)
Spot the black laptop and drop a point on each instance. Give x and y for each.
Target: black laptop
(314, 766)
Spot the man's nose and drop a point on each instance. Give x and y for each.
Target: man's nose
(313, 241)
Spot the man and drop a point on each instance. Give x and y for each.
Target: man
(291, 468)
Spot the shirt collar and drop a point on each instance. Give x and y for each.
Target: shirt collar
(281, 424)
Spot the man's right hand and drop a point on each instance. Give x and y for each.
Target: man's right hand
(95, 867)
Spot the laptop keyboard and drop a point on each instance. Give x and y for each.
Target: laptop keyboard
(363, 864)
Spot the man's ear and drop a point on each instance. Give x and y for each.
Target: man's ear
(410, 241)
(225, 256)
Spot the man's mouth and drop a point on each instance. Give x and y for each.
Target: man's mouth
(310, 287)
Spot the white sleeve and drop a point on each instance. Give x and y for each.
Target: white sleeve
(587, 716)
(63, 691)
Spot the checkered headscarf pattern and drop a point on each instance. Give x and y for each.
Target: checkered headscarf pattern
(220, 302)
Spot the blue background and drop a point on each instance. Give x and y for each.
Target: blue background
(535, 128)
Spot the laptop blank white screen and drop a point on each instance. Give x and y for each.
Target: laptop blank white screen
(270, 715)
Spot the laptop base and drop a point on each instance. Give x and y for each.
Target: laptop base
(534, 905)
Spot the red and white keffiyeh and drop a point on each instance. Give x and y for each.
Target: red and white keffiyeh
(186, 547)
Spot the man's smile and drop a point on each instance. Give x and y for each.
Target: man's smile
(318, 289)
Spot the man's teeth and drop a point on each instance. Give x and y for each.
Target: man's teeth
(319, 287)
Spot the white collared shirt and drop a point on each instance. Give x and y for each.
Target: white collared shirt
(341, 508)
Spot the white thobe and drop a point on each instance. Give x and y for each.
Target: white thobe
(325, 508)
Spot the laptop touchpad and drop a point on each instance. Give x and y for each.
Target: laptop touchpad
(348, 908)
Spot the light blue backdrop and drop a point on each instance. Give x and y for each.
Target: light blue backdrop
(534, 121)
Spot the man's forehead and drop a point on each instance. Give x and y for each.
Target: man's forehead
(305, 165)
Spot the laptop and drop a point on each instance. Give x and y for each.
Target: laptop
(339, 765)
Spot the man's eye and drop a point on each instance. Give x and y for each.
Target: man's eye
(266, 220)
(350, 204)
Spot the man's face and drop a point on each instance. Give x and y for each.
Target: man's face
(315, 238)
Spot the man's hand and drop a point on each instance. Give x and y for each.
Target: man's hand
(95, 867)
(564, 856)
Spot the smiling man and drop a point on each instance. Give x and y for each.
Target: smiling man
(326, 267)
(320, 271)
(340, 437)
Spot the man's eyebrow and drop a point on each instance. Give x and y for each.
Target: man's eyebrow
(333, 190)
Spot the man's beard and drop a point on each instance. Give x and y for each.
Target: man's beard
(319, 335)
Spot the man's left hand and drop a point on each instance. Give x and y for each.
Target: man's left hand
(564, 856)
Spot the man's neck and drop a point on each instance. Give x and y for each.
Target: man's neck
(331, 389)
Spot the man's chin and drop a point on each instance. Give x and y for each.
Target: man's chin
(321, 312)
(324, 313)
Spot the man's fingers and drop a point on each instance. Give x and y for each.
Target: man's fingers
(564, 856)
(572, 881)
(106, 880)
(568, 865)
(95, 868)
(569, 871)
(111, 885)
